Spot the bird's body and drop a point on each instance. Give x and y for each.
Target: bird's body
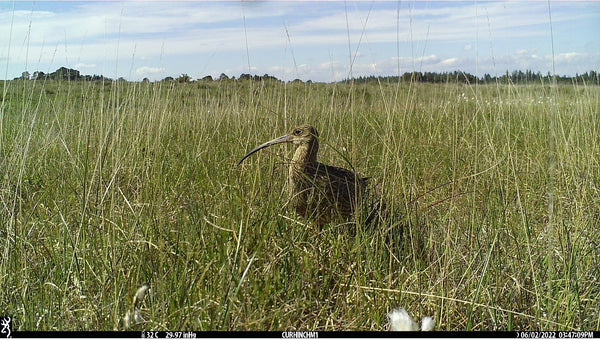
(318, 192)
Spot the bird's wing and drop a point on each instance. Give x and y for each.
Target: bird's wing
(338, 181)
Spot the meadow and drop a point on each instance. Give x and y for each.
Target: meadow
(109, 185)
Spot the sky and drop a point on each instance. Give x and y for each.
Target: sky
(321, 41)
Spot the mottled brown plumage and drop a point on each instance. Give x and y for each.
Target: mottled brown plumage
(318, 192)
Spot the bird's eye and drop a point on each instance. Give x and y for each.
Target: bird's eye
(297, 131)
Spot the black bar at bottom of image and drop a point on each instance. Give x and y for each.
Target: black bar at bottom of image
(305, 334)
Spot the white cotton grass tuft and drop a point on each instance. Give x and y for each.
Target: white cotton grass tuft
(427, 324)
(134, 315)
(400, 320)
(127, 319)
(139, 295)
(138, 316)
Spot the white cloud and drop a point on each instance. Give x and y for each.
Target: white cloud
(449, 62)
(147, 71)
(570, 57)
(108, 21)
(80, 66)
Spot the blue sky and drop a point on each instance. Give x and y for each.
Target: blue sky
(321, 41)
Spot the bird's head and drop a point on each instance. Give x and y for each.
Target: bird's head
(303, 134)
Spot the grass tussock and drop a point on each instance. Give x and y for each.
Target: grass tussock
(106, 186)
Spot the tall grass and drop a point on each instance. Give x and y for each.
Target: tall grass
(106, 186)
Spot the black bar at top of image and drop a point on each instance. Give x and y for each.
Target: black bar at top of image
(304, 334)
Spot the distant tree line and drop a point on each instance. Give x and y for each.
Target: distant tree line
(62, 73)
(184, 78)
(516, 77)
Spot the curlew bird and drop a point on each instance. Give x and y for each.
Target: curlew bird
(318, 192)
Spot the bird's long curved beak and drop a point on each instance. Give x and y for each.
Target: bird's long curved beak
(278, 140)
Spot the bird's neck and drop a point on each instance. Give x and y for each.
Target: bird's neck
(306, 153)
